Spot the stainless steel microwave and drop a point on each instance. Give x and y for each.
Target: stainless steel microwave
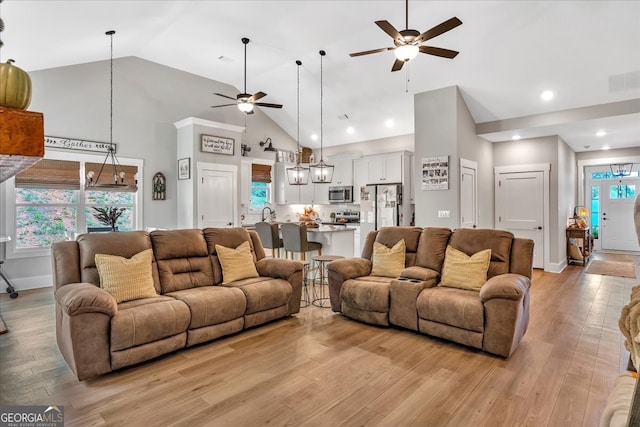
(342, 194)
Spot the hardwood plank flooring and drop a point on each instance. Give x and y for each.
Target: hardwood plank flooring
(319, 368)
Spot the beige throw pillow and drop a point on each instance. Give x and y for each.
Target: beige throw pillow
(236, 263)
(463, 271)
(126, 279)
(388, 262)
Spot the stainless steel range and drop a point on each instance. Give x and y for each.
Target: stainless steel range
(347, 217)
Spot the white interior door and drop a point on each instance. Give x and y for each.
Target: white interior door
(217, 195)
(520, 208)
(468, 194)
(617, 229)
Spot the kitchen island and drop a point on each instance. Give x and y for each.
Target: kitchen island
(335, 239)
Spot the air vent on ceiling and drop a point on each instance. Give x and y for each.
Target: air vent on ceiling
(624, 81)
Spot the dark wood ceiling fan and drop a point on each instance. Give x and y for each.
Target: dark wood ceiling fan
(245, 101)
(408, 43)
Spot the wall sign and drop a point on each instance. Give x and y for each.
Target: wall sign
(78, 144)
(435, 173)
(217, 144)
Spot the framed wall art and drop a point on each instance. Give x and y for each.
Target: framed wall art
(217, 144)
(435, 173)
(184, 168)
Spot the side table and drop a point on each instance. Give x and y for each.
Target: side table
(584, 243)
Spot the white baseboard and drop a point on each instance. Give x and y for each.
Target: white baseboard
(26, 283)
(556, 267)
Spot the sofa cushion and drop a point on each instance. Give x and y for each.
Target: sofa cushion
(236, 263)
(211, 305)
(126, 279)
(389, 236)
(431, 248)
(229, 238)
(386, 261)
(182, 259)
(463, 271)
(147, 320)
(263, 293)
(472, 240)
(367, 295)
(451, 306)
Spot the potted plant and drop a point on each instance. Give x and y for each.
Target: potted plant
(108, 216)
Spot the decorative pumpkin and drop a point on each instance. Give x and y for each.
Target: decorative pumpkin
(15, 86)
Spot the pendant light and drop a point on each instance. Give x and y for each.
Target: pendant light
(298, 175)
(321, 173)
(120, 181)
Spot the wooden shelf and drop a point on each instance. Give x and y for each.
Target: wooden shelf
(584, 242)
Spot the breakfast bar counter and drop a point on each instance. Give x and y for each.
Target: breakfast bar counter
(335, 239)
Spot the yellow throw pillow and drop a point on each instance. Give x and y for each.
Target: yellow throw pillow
(127, 279)
(236, 263)
(388, 262)
(463, 271)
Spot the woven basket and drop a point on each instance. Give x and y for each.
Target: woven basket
(306, 153)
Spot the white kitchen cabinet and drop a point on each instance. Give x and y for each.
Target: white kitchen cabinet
(342, 171)
(360, 177)
(286, 194)
(321, 193)
(385, 168)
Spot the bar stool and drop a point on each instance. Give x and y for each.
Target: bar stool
(269, 236)
(319, 297)
(295, 240)
(305, 281)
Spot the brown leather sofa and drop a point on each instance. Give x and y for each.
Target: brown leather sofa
(493, 320)
(96, 335)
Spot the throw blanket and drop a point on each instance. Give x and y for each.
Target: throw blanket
(629, 324)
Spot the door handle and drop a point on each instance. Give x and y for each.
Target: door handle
(604, 218)
(229, 223)
(538, 227)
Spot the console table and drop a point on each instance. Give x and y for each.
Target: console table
(584, 242)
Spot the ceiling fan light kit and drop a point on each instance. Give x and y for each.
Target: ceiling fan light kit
(245, 101)
(408, 43)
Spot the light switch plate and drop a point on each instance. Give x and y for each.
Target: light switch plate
(444, 214)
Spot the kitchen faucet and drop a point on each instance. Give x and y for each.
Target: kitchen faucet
(264, 218)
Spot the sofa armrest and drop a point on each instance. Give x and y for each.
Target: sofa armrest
(288, 270)
(278, 268)
(81, 298)
(421, 273)
(505, 286)
(342, 270)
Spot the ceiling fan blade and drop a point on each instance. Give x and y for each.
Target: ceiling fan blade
(443, 27)
(389, 29)
(266, 104)
(225, 105)
(257, 96)
(438, 51)
(224, 96)
(397, 65)
(368, 52)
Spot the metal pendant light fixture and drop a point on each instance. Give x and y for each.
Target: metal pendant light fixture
(120, 181)
(298, 175)
(619, 170)
(321, 172)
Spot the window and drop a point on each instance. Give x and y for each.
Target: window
(622, 191)
(609, 175)
(260, 186)
(595, 211)
(47, 203)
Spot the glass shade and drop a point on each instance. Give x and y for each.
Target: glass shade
(321, 173)
(407, 52)
(245, 107)
(298, 175)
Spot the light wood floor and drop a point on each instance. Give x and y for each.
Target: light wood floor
(319, 368)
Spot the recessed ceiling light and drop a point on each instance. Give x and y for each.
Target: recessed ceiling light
(586, 147)
(389, 123)
(605, 147)
(314, 137)
(350, 130)
(516, 137)
(601, 133)
(547, 95)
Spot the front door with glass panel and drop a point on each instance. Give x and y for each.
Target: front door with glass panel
(616, 214)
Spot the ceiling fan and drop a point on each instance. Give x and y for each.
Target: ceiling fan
(408, 43)
(245, 101)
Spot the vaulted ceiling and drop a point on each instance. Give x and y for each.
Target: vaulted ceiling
(586, 52)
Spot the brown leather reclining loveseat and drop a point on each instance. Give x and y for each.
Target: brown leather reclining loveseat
(493, 319)
(96, 335)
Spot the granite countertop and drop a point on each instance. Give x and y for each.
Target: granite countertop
(324, 228)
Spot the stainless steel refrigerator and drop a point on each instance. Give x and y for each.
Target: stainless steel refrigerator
(380, 206)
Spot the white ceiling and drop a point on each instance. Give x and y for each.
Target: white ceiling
(510, 51)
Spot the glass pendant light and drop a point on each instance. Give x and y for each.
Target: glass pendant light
(298, 175)
(321, 172)
(120, 182)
